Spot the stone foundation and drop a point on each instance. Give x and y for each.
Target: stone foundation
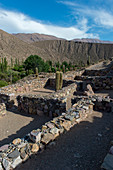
(52, 105)
(98, 83)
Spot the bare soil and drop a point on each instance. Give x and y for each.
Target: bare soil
(15, 124)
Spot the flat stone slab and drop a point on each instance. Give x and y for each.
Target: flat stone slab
(14, 154)
(108, 162)
(4, 147)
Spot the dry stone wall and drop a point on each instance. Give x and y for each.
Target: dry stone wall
(19, 150)
(52, 105)
(98, 83)
(9, 93)
(2, 110)
(24, 87)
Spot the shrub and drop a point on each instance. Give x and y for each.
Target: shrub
(3, 83)
(34, 61)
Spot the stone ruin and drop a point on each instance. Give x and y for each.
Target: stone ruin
(66, 107)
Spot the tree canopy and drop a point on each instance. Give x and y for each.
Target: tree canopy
(34, 61)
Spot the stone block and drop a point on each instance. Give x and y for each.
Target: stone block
(47, 138)
(108, 162)
(35, 136)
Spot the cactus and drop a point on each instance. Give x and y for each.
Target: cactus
(36, 70)
(11, 78)
(64, 70)
(57, 80)
(61, 81)
(88, 61)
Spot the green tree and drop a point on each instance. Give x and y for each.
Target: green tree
(34, 61)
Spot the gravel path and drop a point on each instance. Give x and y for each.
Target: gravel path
(82, 148)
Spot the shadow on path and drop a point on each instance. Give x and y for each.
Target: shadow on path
(34, 124)
(82, 148)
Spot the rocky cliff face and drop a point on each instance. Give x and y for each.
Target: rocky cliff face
(55, 50)
(76, 52)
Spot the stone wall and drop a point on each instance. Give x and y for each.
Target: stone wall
(52, 105)
(100, 103)
(2, 109)
(98, 83)
(28, 84)
(7, 99)
(105, 69)
(8, 94)
(19, 150)
(70, 75)
(24, 87)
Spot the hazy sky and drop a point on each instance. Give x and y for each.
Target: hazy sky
(66, 19)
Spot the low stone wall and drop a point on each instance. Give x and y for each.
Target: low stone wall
(98, 83)
(70, 75)
(100, 103)
(7, 99)
(52, 105)
(2, 109)
(11, 155)
(8, 94)
(105, 69)
(96, 72)
(24, 87)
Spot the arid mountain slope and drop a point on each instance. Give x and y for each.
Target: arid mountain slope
(55, 50)
(11, 46)
(29, 38)
(76, 52)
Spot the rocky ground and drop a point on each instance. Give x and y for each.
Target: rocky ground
(82, 148)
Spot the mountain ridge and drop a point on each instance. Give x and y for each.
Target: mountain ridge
(34, 37)
(54, 50)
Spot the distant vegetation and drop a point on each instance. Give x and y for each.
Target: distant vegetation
(11, 73)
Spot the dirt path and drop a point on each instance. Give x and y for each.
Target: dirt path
(82, 148)
(42, 91)
(100, 65)
(14, 125)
